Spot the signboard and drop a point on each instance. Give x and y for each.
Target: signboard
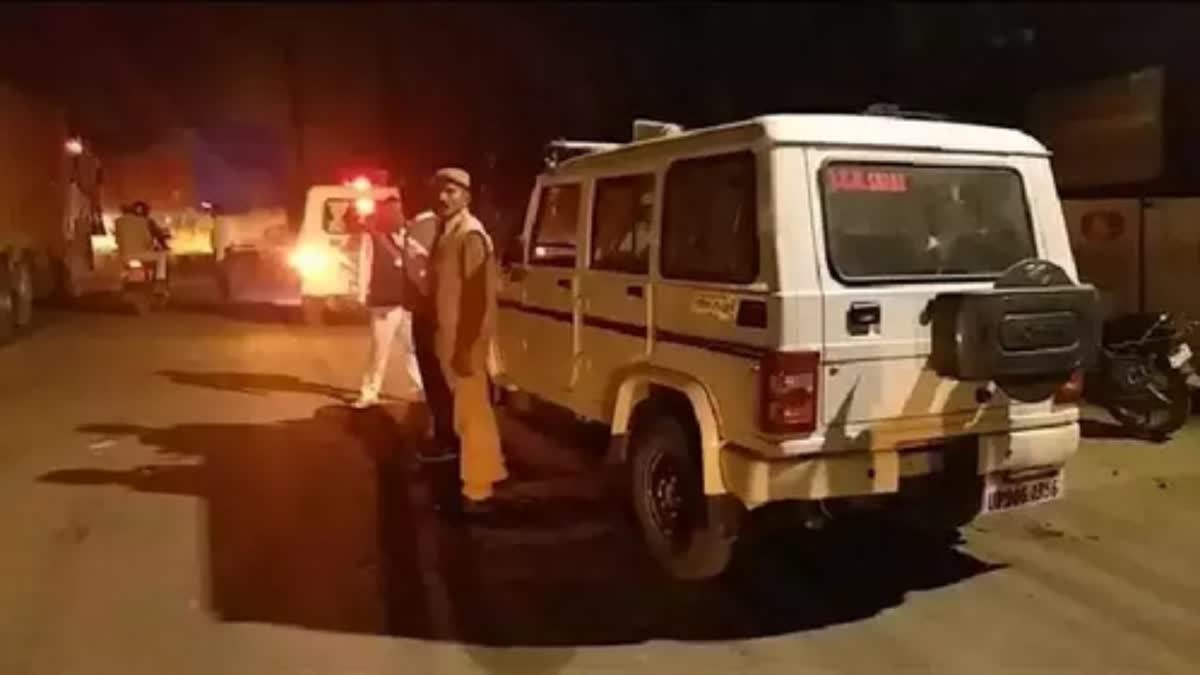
(1107, 132)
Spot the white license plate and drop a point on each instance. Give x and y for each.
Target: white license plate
(1181, 356)
(1001, 493)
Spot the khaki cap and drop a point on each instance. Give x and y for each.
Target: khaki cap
(453, 175)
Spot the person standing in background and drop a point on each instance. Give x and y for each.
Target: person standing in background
(389, 302)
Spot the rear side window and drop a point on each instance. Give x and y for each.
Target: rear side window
(621, 224)
(710, 220)
(899, 221)
(556, 227)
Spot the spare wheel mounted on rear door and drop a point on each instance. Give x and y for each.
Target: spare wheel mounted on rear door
(1029, 333)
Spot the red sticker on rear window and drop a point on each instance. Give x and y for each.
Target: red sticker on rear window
(862, 180)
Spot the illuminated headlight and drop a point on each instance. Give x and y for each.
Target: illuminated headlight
(134, 264)
(311, 261)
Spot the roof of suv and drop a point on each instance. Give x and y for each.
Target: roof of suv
(837, 130)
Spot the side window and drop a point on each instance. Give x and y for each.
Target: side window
(556, 227)
(621, 224)
(710, 220)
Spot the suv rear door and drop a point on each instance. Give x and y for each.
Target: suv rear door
(897, 229)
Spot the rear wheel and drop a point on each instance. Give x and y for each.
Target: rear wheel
(22, 292)
(8, 312)
(139, 301)
(1154, 417)
(668, 499)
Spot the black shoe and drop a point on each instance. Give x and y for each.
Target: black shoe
(478, 509)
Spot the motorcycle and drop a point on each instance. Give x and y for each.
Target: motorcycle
(141, 287)
(1142, 374)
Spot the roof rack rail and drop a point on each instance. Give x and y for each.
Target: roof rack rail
(560, 150)
(893, 110)
(644, 130)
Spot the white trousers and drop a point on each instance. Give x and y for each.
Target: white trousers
(386, 324)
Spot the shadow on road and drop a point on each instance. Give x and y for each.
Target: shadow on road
(258, 384)
(1100, 429)
(324, 523)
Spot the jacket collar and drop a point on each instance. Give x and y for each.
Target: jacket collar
(457, 223)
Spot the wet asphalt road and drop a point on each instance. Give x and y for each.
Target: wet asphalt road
(187, 493)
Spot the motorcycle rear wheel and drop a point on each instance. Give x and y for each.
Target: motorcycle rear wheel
(1154, 419)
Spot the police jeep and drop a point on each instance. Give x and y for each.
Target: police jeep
(826, 311)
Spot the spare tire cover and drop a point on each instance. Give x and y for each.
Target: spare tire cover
(1033, 272)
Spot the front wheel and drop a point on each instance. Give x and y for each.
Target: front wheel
(1153, 417)
(668, 499)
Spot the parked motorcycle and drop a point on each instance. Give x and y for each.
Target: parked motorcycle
(1142, 374)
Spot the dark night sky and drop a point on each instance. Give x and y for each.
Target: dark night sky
(451, 82)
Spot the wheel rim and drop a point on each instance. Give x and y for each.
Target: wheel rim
(667, 501)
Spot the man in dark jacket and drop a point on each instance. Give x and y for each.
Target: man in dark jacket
(422, 235)
(390, 301)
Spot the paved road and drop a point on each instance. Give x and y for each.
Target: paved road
(186, 494)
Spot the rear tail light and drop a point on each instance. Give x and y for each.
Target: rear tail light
(788, 395)
(1071, 391)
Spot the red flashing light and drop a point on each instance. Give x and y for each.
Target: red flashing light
(363, 179)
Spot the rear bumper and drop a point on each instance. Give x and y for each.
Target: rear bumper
(868, 436)
(757, 480)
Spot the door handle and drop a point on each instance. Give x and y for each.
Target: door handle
(564, 284)
(635, 292)
(862, 317)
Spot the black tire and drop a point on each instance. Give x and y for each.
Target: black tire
(666, 488)
(1158, 422)
(139, 302)
(21, 283)
(8, 315)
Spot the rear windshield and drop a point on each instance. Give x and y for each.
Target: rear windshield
(896, 221)
(338, 216)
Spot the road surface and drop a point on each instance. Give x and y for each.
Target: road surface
(186, 493)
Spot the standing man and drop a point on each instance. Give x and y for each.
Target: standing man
(465, 288)
(389, 303)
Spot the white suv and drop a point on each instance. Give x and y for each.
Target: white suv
(824, 310)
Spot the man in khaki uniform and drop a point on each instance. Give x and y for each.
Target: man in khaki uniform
(466, 282)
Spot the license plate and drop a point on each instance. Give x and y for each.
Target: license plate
(1001, 493)
(1181, 356)
(135, 275)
